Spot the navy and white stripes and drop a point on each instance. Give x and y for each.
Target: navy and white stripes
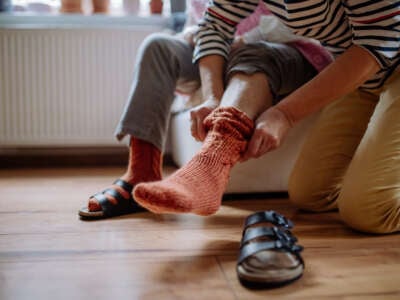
(337, 24)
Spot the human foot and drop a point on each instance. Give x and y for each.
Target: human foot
(111, 202)
(145, 163)
(125, 193)
(198, 186)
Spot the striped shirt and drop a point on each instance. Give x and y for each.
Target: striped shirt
(337, 24)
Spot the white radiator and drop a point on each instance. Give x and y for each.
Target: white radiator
(65, 86)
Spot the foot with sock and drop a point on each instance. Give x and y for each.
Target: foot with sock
(199, 185)
(144, 165)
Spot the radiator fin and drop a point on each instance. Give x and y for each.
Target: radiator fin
(65, 86)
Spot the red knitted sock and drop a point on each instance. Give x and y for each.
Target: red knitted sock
(199, 185)
(145, 162)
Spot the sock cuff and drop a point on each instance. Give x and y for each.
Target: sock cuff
(229, 130)
(136, 142)
(232, 120)
(145, 160)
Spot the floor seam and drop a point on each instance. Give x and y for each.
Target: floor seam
(226, 277)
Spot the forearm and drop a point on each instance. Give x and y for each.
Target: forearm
(344, 75)
(211, 74)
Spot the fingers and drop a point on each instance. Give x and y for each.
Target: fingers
(253, 146)
(271, 128)
(260, 143)
(193, 125)
(201, 131)
(197, 128)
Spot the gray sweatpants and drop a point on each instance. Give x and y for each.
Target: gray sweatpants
(162, 60)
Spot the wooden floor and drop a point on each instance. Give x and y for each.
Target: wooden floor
(46, 252)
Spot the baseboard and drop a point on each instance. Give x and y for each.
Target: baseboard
(67, 157)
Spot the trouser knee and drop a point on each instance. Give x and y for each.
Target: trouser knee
(246, 60)
(156, 40)
(157, 47)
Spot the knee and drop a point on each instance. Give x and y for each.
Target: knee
(242, 50)
(155, 43)
(250, 55)
(253, 50)
(373, 212)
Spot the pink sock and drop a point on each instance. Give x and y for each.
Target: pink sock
(199, 185)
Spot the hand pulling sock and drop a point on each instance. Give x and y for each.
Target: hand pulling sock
(199, 185)
(145, 161)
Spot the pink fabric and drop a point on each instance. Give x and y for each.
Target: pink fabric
(315, 54)
(196, 10)
(252, 21)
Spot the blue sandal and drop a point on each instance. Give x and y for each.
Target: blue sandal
(268, 256)
(124, 206)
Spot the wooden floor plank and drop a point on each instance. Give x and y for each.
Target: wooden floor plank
(372, 273)
(180, 278)
(47, 252)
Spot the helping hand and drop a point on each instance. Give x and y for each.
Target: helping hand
(197, 116)
(271, 128)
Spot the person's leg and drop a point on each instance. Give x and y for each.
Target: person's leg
(370, 196)
(248, 93)
(198, 186)
(316, 179)
(161, 61)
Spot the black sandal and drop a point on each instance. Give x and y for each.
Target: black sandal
(124, 206)
(269, 256)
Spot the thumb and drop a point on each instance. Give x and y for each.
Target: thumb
(252, 147)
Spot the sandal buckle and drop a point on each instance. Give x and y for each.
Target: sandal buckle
(287, 239)
(282, 221)
(297, 248)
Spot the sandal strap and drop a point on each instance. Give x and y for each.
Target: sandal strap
(123, 205)
(106, 206)
(124, 184)
(116, 195)
(251, 249)
(272, 233)
(268, 216)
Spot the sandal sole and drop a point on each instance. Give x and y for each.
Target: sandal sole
(85, 214)
(258, 285)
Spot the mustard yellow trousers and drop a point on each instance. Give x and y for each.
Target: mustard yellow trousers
(351, 161)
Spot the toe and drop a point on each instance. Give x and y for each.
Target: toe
(160, 198)
(93, 205)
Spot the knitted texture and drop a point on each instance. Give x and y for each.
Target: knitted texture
(145, 162)
(199, 185)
